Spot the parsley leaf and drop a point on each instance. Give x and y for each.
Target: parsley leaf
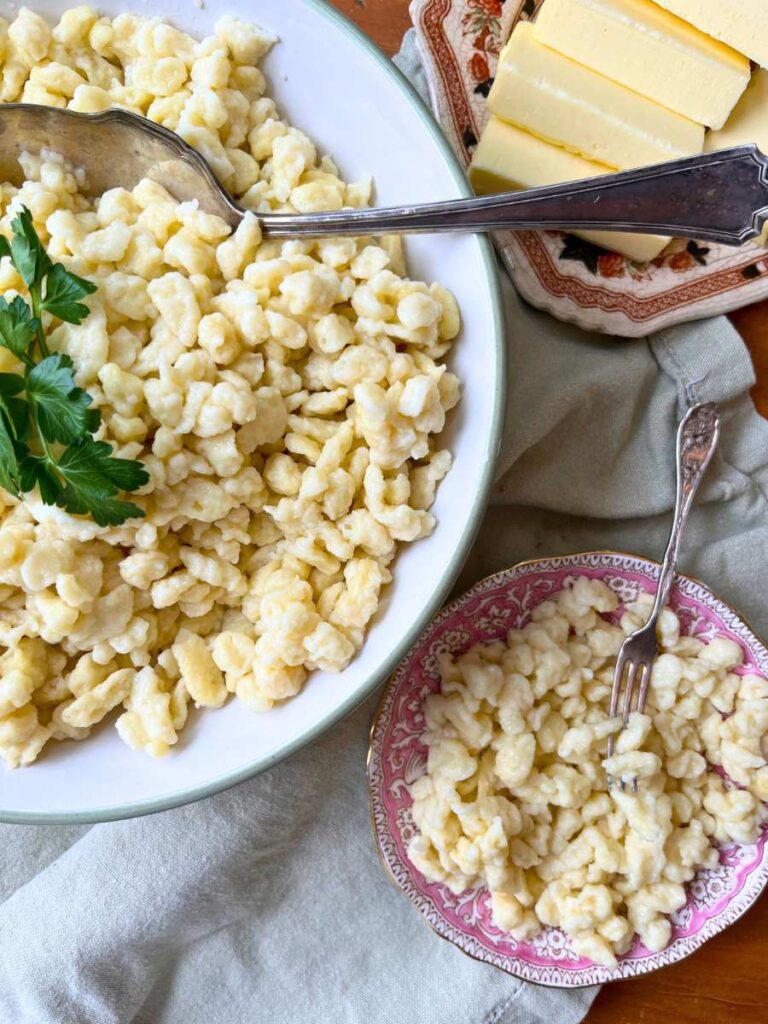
(27, 253)
(16, 409)
(94, 477)
(11, 384)
(91, 466)
(62, 291)
(104, 511)
(46, 421)
(61, 407)
(18, 328)
(91, 479)
(37, 471)
(9, 466)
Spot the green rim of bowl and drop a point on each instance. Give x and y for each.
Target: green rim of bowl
(200, 792)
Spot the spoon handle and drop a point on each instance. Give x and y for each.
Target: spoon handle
(717, 197)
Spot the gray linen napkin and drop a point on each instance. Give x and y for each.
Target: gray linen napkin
(267, 904)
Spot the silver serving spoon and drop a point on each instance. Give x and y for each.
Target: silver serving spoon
(718, 197)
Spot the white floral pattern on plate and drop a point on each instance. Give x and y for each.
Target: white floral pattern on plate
(397, 757)
(459, 41)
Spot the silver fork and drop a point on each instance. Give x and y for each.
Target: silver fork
(697, 438)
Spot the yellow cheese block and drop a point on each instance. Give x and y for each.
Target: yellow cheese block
(742, 24)
(508, 158)
(749, 120)
(647, 49)
(540, 90)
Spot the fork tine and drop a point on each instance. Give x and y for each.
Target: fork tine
(618, 672)
(638, 672)
(644, 686)
(631, 676)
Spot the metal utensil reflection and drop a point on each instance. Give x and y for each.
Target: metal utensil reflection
(719, 197)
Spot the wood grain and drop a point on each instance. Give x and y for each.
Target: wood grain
(385, 21)
(725, 982)
(752, 324)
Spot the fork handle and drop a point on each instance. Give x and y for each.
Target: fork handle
(717, 197)
(697, 439)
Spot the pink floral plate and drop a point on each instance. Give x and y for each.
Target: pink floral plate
(459, 41)
(716, 898)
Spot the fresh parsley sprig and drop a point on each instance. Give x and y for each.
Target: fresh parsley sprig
(46, 421)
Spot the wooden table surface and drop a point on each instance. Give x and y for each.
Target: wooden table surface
(726, 982)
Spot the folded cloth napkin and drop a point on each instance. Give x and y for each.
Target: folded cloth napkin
(267, 904)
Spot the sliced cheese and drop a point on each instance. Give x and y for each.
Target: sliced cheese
(508, 159)
(742, 24)
(647, 49)
(540, 90)
(749, 120)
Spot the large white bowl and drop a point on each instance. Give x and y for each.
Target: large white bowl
(332, 82)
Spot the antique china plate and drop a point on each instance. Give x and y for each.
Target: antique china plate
(331, 81)
(459, 41)
(716, 898)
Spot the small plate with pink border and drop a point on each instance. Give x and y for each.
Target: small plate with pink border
(397, 757)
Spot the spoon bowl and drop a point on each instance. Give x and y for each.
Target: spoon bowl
(116, 147)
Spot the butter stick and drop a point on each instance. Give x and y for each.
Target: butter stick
(749, 120)
(508, 159)
(645, 48)
(548, 94)
(742, 24)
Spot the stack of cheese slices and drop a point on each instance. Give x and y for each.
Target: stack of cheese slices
(595, 86)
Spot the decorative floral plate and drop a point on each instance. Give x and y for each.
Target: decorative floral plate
(716, 898)
(459, 41)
